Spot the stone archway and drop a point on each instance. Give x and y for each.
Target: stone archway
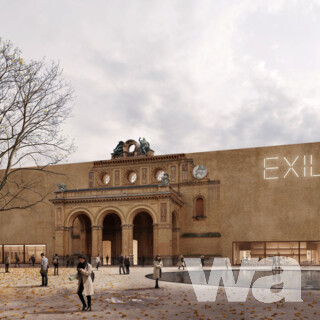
(81, 235)
(111, 237)
(143, 234)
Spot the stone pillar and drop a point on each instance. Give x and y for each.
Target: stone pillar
(175, 244)
(96, 245)
(164, 243)
(66, 241)
(59, 241)
(127, 241)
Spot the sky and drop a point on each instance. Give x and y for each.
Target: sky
(189, 76)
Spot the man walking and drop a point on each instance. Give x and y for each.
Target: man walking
(97, 262)
(127, 264)
(7, 263)
(56, 265)
(33, 259)
(44, 270)
(107, 260)
(17, 261)
(121, 261)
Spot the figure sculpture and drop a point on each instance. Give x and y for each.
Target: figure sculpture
(118, 150)
(144, 146)
(165, 179)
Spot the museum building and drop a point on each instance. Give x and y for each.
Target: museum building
(241, 204)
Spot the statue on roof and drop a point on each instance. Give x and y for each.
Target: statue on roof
(118, 150)
(144, 146)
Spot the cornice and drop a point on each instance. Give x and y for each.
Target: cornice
(119, 198)
(138, 159)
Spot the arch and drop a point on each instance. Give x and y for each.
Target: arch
(139, 208)
(75, 213)
(108, 210)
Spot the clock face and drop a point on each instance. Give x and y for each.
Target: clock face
(106, 179)
(132, 177)
(199, 172)
(159, 175)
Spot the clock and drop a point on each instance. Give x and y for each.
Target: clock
(159, 175)
(199, 172)
(132, 177)
(106, 179)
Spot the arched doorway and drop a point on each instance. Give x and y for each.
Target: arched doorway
(81, 236)
(112, 237)
(143, 234)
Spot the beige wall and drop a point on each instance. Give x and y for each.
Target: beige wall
(243, 207)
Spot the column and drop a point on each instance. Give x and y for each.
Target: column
(96, 245)
(164, 243)
(59, 241)
(127, 241)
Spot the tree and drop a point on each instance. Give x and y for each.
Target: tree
(34, 102)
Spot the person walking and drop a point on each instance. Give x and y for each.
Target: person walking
(202, 260)
(85, 284)
(121, 261)
(33, 260)
(181, 262)
(143, 260)
(127, 264)
(157, 272)
(44, 270)
(107, 260)
(7, 263)
(17, 261)
(56, 265)
(97, 262)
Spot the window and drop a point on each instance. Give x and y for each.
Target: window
(200, 207)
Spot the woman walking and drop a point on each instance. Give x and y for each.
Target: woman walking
(85, 284)
(181, 262)
(157, 265)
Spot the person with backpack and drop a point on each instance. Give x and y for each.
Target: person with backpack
(85, 282)
(56, 265)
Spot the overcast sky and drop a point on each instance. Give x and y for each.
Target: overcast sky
(188, 76)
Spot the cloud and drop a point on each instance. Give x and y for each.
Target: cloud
(187, 75)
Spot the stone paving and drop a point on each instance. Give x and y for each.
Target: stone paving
(132, 297)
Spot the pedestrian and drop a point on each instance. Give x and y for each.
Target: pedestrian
(97, 262)
(44, 270)
(121, 261)
(181, 262)
(7, 263)
(157, 272)
(107, 260)
(33, 259)
(202, 260)
(143, 260)
(101, 259)
(68, 260)
(85, 284)
(56, 264)
(127, 264)
(17, 261)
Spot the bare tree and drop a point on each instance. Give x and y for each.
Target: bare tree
(34, 102)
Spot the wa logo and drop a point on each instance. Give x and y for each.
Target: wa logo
(270, 286)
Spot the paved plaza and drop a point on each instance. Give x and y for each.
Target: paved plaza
(132, 297)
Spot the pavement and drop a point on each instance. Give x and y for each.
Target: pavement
(133, 296)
